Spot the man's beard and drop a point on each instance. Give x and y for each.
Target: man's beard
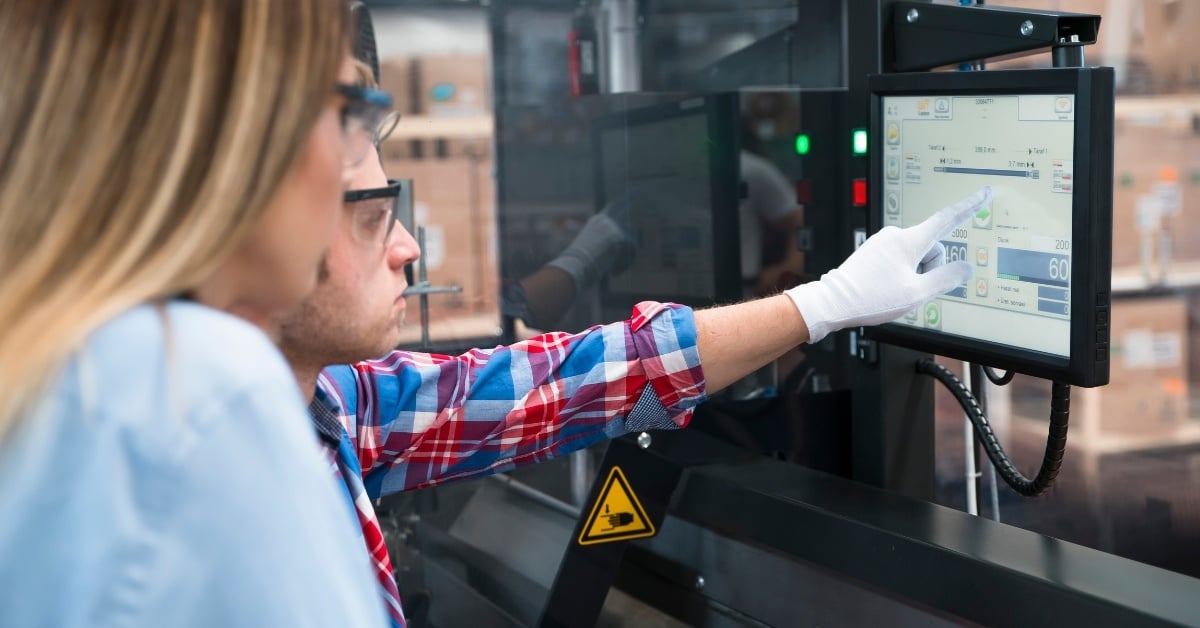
(323, 268)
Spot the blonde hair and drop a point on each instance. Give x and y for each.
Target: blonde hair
(142, 141)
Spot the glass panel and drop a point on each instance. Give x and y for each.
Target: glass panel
(697, 198)
(437, 65)
(713, 96)
(1130, 477)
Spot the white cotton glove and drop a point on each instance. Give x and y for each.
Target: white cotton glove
(603, 246)
(893, 272)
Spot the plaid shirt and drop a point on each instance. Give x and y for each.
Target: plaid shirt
(413, 420)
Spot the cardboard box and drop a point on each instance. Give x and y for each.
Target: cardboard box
(454, 199)
(1145, 404)
(401, 149)
(1156, 181)
(1168, 45)
(453, 85)
(396, 78)
(1148, 377)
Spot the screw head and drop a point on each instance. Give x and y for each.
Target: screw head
(643, 440)
(699, 584)
(1026, 28)
(912, 16)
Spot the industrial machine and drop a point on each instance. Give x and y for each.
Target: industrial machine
(808, 501)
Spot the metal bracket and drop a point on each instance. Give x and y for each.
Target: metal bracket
(929, 36)
(421, 287)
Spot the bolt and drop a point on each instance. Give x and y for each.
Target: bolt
(913, 15)
(1026, 28)
(699, 584)
(643, 440)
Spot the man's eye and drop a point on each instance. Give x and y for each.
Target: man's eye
(374, 219)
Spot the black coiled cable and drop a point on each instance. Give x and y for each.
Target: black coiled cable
(999, 380)
(1056, 441)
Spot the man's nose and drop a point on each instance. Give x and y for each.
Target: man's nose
(402, 248)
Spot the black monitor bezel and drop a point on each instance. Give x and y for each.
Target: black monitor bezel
(721, 110)
(1091, 259)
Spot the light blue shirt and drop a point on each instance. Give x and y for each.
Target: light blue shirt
(176, 483)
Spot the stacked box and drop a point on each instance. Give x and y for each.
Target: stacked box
(1148, 385)
(396, 78)
(444, 144)
(1145, 404)
(453, 201)
(1156, 181)
(453, 85)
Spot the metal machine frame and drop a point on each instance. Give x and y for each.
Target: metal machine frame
(935, 561)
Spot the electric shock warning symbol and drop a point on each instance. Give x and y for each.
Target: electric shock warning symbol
(617, 515)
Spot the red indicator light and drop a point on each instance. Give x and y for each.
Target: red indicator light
(860, 192)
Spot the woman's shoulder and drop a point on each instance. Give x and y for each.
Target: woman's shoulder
(177, 356)
(188, 335)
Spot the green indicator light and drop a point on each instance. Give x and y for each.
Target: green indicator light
(802, 144)
(860, 141)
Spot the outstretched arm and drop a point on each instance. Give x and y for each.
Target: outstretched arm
(419, 419)
(737, 340)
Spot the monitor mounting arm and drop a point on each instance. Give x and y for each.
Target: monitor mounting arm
(927, 36)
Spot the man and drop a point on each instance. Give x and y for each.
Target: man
(409, 420)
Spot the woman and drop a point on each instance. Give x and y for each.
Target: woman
(161, 162)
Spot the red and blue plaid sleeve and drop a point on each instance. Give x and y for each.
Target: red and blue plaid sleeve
(418, 419)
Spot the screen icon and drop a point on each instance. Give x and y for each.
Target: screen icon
(933, 315)
(893, 203)
(893, 133)
(983, 218)
(1063, 104)
(941, 105)
(981, 256)
(981, 287)
(893, 168)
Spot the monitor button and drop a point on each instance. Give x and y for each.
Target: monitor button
(1101, 316)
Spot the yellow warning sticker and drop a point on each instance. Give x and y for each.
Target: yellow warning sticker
(617, 514)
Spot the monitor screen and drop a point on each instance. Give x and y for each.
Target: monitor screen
(1041, 250)
(675, 167)
(941, 148)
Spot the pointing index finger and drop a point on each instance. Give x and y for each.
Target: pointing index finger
(945, 220)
